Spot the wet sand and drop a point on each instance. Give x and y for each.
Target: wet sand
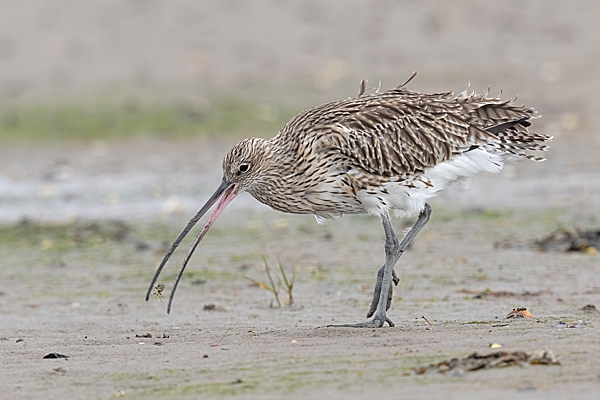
(74, 280)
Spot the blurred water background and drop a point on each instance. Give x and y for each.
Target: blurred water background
(124, 108)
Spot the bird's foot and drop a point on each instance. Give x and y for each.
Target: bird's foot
(375, 322)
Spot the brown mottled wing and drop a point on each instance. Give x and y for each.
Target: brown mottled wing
(395, 133)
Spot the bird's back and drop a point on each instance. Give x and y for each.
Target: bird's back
(394, 149)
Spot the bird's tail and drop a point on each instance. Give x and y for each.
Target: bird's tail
(508, 123)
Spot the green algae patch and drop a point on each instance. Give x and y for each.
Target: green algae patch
(122, 119)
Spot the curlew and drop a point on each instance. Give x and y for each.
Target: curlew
(375, 153)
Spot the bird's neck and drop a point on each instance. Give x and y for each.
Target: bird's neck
(276, 167)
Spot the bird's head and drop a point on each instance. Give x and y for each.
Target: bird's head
(244, 164)
(243, 170)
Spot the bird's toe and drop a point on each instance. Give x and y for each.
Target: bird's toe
(375, 322)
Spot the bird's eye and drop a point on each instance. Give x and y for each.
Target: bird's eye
(244, 167)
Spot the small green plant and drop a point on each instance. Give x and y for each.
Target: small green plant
(288, 286)
(282, 283)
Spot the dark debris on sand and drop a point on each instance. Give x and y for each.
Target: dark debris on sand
(54, 355)
(590, 309)
(561, 240)
(585, 241)
(497, 359)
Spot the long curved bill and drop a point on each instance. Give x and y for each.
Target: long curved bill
(224, 194)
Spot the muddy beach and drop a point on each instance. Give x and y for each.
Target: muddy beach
(84, 222)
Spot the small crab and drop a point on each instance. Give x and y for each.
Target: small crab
(159, 289)
(520, 312)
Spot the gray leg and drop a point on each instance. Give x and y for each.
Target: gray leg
(385, 276)
(414, 230)
(377, 290)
